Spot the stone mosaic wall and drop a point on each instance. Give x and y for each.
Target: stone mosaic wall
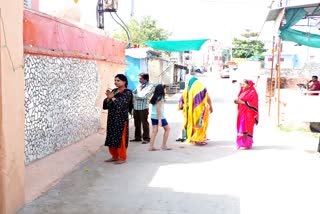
(60, 96)
(308, 70)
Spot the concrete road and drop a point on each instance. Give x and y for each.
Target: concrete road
(280, 175)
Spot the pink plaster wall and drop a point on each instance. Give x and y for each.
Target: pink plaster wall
(12, 167)
(35, 4)
(47, 35)
(107, 72)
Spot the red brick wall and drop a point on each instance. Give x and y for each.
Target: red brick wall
(285, 83)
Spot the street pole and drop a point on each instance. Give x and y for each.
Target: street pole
(279, 77)
(132, 8)
(271, 76)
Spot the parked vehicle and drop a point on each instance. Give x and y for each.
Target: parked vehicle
(198, 70)
(239, 74)
(247, 70)
(225, 73)
(231, 64)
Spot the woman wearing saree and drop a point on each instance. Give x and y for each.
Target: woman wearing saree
(248, 115)
(196, 105)
(119, 104)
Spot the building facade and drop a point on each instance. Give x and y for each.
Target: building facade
(212, 56)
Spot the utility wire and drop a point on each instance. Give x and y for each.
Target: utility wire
(127, 31)
(124, 27)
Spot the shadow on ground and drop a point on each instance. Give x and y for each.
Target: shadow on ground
(148, 183)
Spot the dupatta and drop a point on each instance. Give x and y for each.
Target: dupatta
(250, 109)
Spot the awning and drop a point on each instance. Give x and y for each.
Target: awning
(312, 10)
(293, 16)
(273, 14)
(177, 46)
(302, 38)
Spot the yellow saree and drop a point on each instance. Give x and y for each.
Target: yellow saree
(196, 109)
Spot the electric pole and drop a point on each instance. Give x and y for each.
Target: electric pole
(132, 8)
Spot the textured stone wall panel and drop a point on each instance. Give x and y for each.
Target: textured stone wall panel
(60, 96)
(307, 71)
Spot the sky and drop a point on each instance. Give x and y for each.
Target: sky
(216, 19)
(197, 19)
(186, 19)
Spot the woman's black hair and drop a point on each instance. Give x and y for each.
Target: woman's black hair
(123, 78)
(145, 76)
(158, 94)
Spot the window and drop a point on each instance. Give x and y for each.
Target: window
(27, 3)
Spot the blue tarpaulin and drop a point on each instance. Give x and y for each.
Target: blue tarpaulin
(132, 72)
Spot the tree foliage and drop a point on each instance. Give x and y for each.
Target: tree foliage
(247, 47)
(146, 29)
(248, 34)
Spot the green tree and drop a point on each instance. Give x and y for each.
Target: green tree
(146, 29)
(248, 34)
(247, 47)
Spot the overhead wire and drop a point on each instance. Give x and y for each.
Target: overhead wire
(124, 27)
(124, 24)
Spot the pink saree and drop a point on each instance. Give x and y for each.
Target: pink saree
(247, 116)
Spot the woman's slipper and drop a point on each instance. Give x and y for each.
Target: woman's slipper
(119, 162)
(201, 143)
(111, 160)
(166, 148)
(244, 148)
(153, 149)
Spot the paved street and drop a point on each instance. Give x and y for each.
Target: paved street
(280, 175)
